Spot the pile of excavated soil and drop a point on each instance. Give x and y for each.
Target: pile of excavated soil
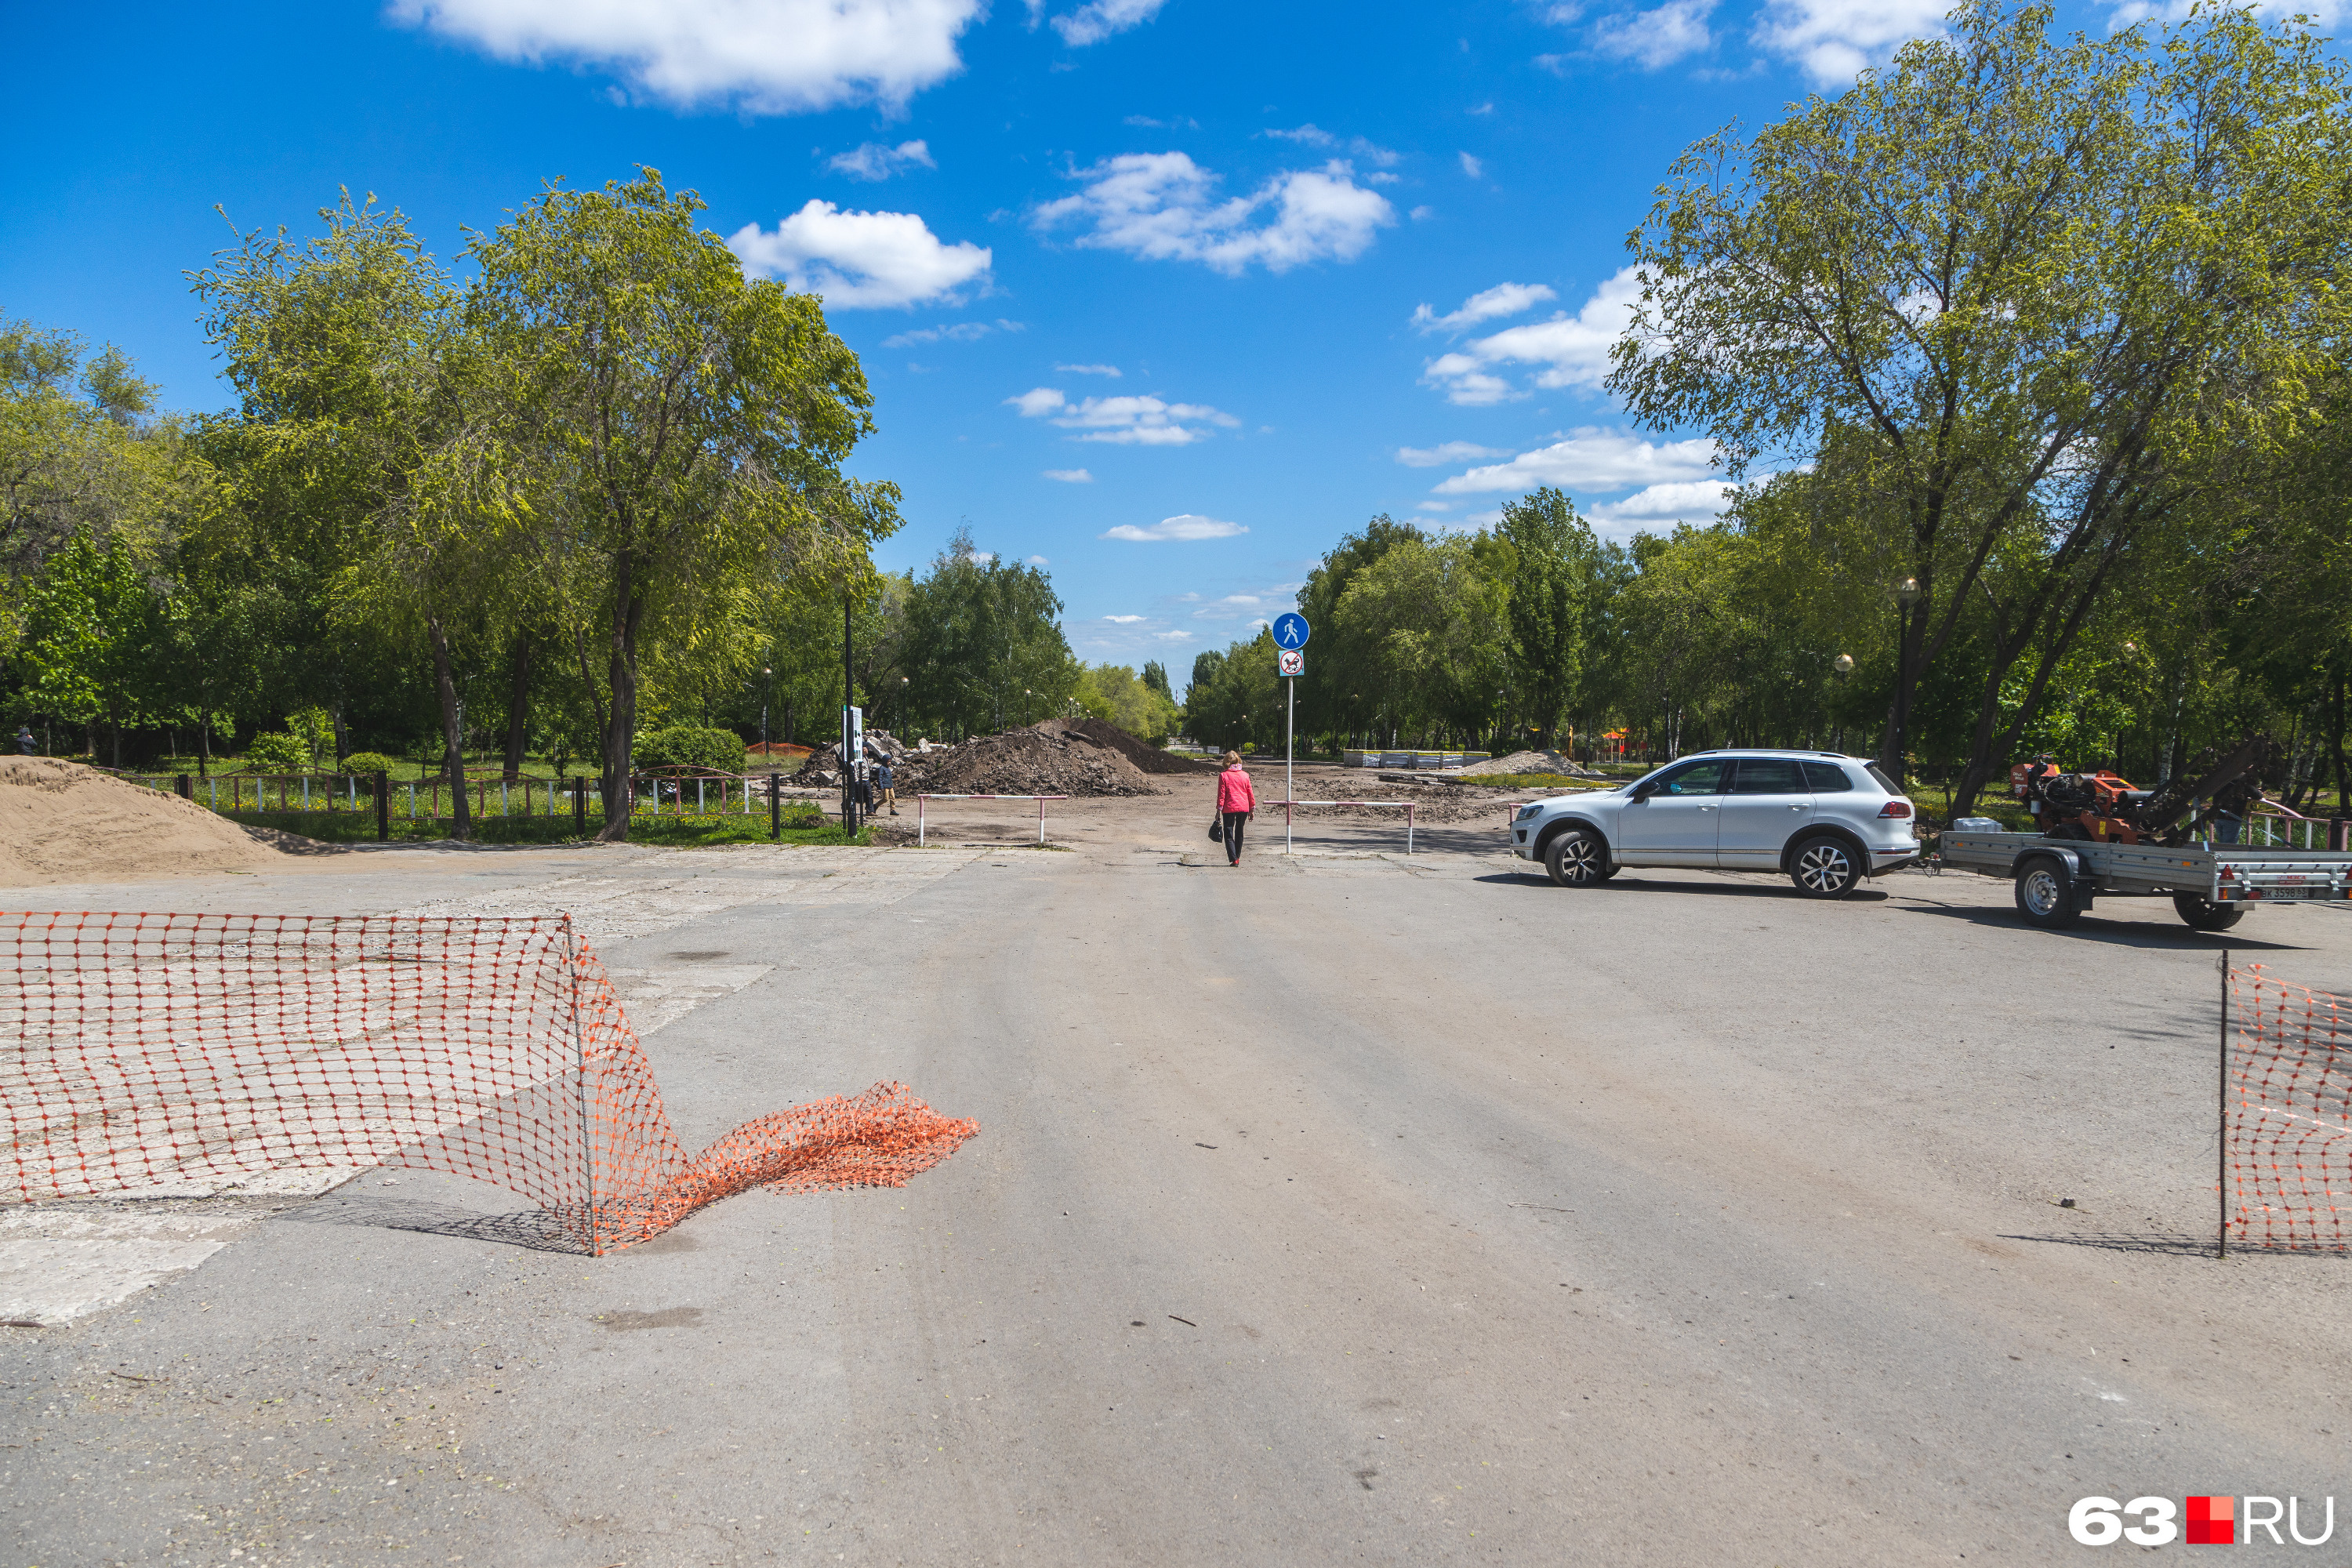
(1065, 761)
(62, 822)
(1148, 757)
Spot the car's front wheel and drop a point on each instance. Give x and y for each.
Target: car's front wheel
(1824, 868)
(1578, 858)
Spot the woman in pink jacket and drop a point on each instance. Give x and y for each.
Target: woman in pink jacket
(1236, 804)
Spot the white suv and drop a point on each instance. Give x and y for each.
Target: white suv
(1827, 820)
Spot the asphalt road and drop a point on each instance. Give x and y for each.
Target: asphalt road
(1335, 1211)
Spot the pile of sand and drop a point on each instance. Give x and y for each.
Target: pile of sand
(1527, 763)
(62, 822)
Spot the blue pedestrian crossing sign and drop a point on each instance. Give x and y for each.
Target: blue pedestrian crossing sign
(1290, 630)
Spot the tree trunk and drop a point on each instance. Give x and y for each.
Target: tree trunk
(445, 682)
(342, 737)
(2335, 743)
(621, 718)
(518, 707)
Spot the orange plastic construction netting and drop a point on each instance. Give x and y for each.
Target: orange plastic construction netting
(149, 1053)
(2287, 1114)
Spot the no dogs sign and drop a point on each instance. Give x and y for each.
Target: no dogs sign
(1290, 661)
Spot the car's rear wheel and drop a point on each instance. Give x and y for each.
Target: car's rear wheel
(2045, 894)
(1578, 858)
(1824, 868)
(2204, 914)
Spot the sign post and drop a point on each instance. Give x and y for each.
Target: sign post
(1290, 634)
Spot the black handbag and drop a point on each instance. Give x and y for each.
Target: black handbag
(1217, 829)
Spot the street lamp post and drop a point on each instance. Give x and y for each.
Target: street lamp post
(1842, 672)
(1906, 594)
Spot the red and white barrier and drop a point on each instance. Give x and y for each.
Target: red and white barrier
(1040, 799)
(1391, 804)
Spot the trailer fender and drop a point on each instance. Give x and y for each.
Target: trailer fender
(2086, 889)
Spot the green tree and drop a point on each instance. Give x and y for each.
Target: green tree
(2040, 280)
(678, 430)
(1554, 554)
(1422, 631)
(983, 644)
(1333, 697)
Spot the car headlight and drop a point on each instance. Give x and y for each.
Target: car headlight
(1532, 809)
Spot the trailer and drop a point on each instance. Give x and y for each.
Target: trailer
(2210, 886)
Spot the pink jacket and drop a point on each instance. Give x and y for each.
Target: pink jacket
(1233, 791)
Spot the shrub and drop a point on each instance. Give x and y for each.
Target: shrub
(685, 746)
(369, 762)
(280, 752)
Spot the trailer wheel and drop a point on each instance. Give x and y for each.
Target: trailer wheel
(2203, 914)
(2045, 894)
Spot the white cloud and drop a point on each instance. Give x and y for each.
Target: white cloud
(1834, 40)
(1433, 506)
(958, 332)
(1184, 526)
(1232, 607)
(861, 260)
(1313, 135)
(1657, 38)
(1685, 501)
(1178, 635)
(1573, 350)
(1099, 19)
(1472, 166)
(1039, 561)
(1124, 620)
(1144, 122)
(1590, 459)
(1446, 452)
(1489, 305)
(1161, 206)
(1070, 476)
(873, 161)
(1420, 213)
(758, 56)
(981, 556)
(1109, 370)
(1123, 421)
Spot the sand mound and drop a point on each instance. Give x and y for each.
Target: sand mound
(1527, 763)
(62, 822)
(1066, 760)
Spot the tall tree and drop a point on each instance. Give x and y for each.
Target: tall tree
(2040, 279)
(1554, 552)
(681, 430)
(983, 644)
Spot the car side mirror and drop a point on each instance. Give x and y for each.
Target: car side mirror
(1644, 791)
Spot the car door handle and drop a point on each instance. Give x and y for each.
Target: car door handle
(1706, 808)
(1796, 808)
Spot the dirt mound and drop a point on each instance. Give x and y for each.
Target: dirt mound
(1146, 756)
(62, 822)
(1527, 763)
(1065, 761)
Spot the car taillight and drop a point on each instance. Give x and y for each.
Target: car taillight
(1896, 808)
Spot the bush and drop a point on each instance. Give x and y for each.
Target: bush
(369, 762)
(279, 753)
(684, 746)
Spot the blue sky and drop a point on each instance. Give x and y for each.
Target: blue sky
(1169, 294)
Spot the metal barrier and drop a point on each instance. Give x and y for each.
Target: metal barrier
(1288, 814)
(1040, 799)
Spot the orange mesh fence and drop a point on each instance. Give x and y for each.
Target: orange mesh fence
(2287, 1114)
(154, 1053)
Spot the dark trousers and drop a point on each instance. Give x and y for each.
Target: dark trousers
(1234, 820)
